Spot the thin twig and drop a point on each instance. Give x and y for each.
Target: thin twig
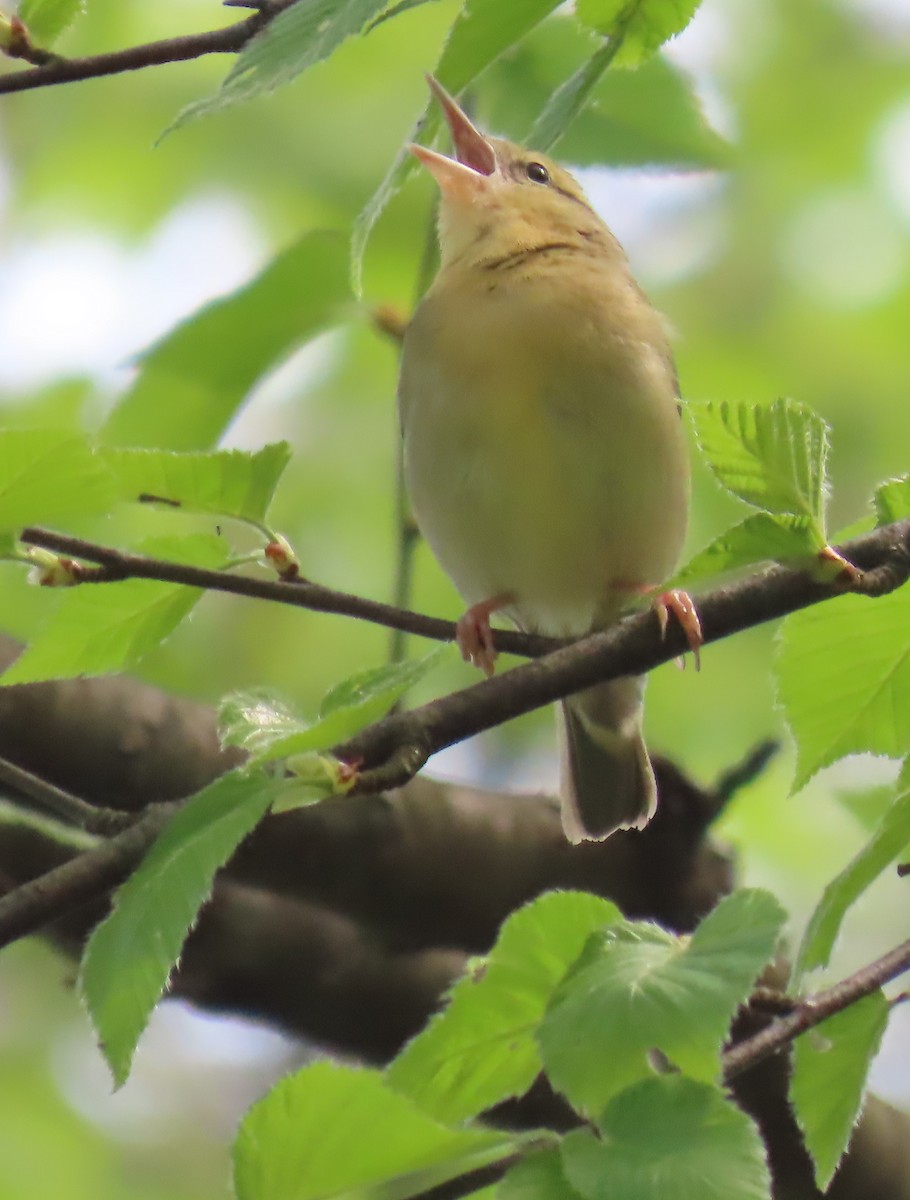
(814, 1010)
(85, 877)
(227, 40)
(90, 817)
(117, 566)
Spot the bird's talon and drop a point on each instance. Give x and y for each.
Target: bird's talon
(474, 635)
(681, 605)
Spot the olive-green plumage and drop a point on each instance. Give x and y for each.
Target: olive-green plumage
(543, 448)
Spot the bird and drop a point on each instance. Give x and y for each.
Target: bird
(543, 447)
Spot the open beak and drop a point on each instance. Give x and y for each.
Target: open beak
(475, 160)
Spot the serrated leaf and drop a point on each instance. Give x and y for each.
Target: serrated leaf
(892, 501)
(192, 382)
(482, 31)
(759, 538)
(297, 1143)
(830, 1066)
(772, 456)
(396, 10)
(636, 987)
(129, 956)
(294, 40)
(47, 19)
(100, 628)
(885, 845)
(843, 677)
(269, 728)
(229, 483)
(641, 26)
(480, 1049)
(49, 475)
(669, 1137)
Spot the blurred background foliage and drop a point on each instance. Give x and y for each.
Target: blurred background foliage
(759, 176)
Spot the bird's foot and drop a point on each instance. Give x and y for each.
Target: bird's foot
(682, 607)
(474, 635)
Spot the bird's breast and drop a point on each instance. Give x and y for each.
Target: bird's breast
(543, 451)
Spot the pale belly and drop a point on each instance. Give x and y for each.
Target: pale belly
(537, 472)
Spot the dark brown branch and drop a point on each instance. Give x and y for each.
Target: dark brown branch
(85, 877)
(815, 1009)
(394, 749)
(69, 808)
(117, 565)
(228, 40)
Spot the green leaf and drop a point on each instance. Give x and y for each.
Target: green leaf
(130, 954)
(396, 10)
(772, 456)
(636, 988)
(299, 1142)
(631, 118)
(758, 538)
(49, 475)
(480, 1049)
(193, 381)
(268, 727)
(538, 1177)
(843, 678)
(641, 26)
(885, 845)
(100, 628)
(47, 19)
(571, 97)
(296, 39)
(669, 1137)
(482, 31)
(830, 1066)
(230, 483)
(892, 501)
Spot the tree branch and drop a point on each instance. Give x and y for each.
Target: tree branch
(227, 40)
(116, 565)
(391, 751)
(69, 808)
(815, 1009)
(85, 877)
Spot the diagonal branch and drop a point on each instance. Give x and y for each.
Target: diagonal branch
(115, 566)
(815, 1009)
(83, 878)
(228, 40)
(391, 751)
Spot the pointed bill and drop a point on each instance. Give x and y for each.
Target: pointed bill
(471, 148)
(461, 177)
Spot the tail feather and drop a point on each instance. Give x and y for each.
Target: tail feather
(607, 779)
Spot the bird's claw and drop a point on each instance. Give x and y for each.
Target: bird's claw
(474, 635)
(682, 607)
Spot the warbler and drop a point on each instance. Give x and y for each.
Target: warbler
(544, 452)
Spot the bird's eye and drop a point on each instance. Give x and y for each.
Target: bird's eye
(537, 172)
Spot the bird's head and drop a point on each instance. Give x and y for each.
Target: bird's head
(495, 194)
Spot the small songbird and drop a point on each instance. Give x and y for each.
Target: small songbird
(543, 447)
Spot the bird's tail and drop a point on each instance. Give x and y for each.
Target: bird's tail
(607, 782)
